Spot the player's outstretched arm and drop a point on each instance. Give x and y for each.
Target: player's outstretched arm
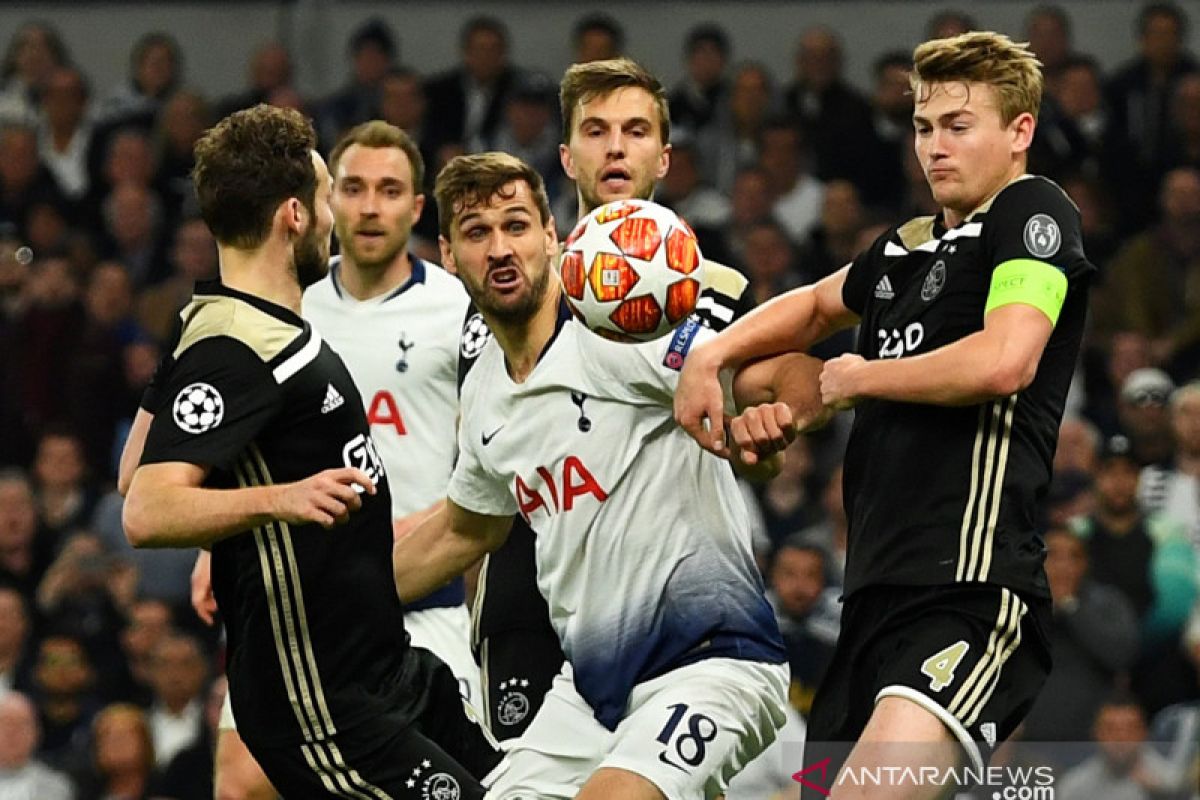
(999, 360)
(168, 507)
(790, 323)
(443, 547)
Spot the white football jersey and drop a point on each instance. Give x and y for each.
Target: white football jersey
(643, 542)
(402, 350)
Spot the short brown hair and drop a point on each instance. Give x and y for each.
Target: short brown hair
(249, 163)
(1009, 67)
(382, 135)
(583, 83)
(473, 180)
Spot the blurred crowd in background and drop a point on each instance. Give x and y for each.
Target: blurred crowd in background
(109, 685)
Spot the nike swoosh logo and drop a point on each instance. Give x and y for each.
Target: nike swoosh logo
(487, 438)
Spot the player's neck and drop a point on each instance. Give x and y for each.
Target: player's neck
(523, 343)
(364, 283)
(263, 273)
(953, 217)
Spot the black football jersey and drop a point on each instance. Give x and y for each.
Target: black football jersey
(939, 494)
(315, 629)
(507, 597)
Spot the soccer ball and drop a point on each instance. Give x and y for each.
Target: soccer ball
(632, 270)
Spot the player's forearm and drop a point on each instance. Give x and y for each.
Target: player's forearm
(972, 370)
(179, 516)
(431, 556)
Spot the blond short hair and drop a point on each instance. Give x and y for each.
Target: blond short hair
(1009, 67)
(583, 83)
(473, 180)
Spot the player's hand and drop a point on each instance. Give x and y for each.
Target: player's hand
(839, 381)
(763, 430)
(202, 595)
(327, 498)
(699, 400)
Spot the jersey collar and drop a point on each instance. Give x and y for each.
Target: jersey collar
(215, 287)
(418, 275)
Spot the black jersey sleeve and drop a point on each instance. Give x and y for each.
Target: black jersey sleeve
(1034, 219)
(152, 394)
(860, 280)
(216, 398)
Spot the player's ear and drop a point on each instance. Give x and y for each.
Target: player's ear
(664, 163)
(292, 214)
(1022, 129)
(418, 206)
(448, 262)
(564, 157)
(551, 237)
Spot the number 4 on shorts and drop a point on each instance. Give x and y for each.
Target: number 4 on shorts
(941, 665)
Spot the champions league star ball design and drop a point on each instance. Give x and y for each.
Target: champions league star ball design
(632, 270)
(198, 408)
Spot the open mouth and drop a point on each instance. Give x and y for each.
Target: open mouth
(615, 177)
(504, 279)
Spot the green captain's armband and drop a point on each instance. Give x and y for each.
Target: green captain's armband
(1034, 283)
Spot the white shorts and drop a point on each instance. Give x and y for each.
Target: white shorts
(687, 732)
(443, 631)
(446, 632)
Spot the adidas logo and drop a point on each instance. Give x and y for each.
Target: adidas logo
(883, 289)
(333, 399)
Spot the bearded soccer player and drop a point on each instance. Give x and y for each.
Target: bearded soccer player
(676, 676)
(970, 326)
(616, 134)
(247, 456)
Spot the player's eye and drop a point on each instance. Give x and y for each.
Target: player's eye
(392, 192)
(475, 234)
(959, 127)
(349, 188)
(518, 226)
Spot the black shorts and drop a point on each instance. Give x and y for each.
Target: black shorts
(974, 655)
(431, 748)
(516, 670)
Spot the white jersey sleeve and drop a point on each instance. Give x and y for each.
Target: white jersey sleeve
(472, 486)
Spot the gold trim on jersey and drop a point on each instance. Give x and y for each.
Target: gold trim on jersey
(977, 689)
(989, 462)
(293, 646)
(211, 315)
(916, 232)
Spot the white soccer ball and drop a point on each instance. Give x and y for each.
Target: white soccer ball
(632, 270)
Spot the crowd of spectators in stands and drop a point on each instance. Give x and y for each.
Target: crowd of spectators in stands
(109, 686)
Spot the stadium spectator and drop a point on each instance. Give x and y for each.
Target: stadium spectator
(769, 260)
(184, 117)
(949, 22)
(1095, 642)
(597, 37)
(1078, 446)
(1174, 490)
(831, 527)
(26, 548)
(1144, 417)
(880, 178)
(1126, 765)
(529, 129)
(807, 611)
(683, 189)
(835, 116)
(148, 623)
(797, 194)
(696, 100)
(65, 132)
(34, 52)
(134, 227)
(178, 673)
(193, 258)
(1148, 285)
(122, 756)
(373, 54)
(1138, 97)
(731, 142)
(270, 72)
(24, 180)
(749, 204)
(1048, 30)
(833, 242)
(21, 774)
(63, 682)
(16, 641)
(155, 71)
(466, 104)
(65, 494)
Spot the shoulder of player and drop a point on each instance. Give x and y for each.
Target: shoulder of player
(1030, 194)
(724, 280)
(238, 323)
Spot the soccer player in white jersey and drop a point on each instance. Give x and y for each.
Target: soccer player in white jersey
(676, 675)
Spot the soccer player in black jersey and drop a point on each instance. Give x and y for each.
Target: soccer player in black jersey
(970, 325)
(616, 132)
(247, 455)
